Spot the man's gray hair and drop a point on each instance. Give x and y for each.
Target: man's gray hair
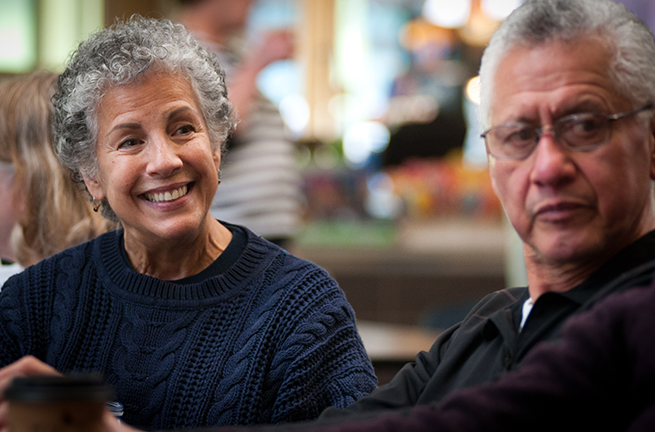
(537, 22)
(117, 56)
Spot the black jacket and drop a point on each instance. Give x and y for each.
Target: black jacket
(487, 343)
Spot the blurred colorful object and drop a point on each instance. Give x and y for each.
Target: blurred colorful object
(416, 190)
(441, 188)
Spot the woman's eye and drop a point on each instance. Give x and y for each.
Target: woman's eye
(128, 143)
(184, 130)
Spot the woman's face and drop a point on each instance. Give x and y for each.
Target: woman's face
(156, 166)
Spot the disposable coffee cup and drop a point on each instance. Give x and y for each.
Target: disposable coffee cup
(57, 403)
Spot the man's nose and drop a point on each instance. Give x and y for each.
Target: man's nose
(552, 162)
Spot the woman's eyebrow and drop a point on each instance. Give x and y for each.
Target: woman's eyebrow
(181, 110)
(120, 126)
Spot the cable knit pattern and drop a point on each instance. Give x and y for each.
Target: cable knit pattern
(270, 340)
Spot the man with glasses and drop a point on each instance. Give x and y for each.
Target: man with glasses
(568, 88)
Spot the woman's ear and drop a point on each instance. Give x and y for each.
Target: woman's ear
(94, 187)
(216, 155)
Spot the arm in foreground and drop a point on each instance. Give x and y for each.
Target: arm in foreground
(321, 360)
(277, 45)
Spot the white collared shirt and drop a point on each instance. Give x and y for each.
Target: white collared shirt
(527, 308)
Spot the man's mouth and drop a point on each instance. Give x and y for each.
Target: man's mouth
(561, 211)
(167, 196)
(559, 207)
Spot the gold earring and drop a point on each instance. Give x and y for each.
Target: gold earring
(96, 205)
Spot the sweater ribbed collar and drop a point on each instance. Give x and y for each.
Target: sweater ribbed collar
(120, 278)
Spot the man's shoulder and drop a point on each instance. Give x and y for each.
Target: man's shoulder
(496, 301)
(639, 275)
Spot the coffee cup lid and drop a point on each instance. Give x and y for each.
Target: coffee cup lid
(88, 387)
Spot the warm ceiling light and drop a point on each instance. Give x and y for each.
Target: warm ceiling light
(473, 90)
(499, 9)
(447, 13)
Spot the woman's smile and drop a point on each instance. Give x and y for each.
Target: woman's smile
(157, 197)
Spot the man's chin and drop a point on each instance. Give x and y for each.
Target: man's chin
(567, 248)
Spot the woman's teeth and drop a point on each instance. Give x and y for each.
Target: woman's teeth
(167, 196)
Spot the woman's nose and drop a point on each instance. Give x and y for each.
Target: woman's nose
(163, 159)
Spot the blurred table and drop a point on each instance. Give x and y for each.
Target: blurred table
(395, 342)
(408, 274)
(390, 346)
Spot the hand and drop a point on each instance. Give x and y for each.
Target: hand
(26, 366)
(277, 45)
(242, 88)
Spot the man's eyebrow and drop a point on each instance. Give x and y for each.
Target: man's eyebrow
(520, 120)
(586, 106)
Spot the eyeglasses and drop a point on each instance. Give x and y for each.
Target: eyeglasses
(577, 132)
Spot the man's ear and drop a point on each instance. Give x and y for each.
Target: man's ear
(94, 187)
(491, 164)
(651, 146)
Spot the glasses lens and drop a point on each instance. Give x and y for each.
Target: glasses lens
(511, 141)
(583, 131)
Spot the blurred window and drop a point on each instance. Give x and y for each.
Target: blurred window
(43, 33)
(17, 35)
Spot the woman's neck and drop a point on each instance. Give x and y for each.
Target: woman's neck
(180, 258)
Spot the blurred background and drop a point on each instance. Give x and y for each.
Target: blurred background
(380, 99)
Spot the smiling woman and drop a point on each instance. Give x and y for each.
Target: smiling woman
(157, 167)
(195, 322)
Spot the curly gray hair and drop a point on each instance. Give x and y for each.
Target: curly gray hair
(537, 22)
(116, 56)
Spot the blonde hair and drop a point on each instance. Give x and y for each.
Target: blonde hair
(54, 212)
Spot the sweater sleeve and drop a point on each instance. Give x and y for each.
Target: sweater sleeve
(321, 361)
(12, 323)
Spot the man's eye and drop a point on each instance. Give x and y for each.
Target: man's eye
(587, 125)
(520, 136)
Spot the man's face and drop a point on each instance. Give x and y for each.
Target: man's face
(571, 208)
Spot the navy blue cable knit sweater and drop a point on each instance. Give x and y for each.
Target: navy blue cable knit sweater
(270, 339)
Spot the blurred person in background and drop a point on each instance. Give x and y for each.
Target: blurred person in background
(261, 184)
(195, 322)
(43, 210)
